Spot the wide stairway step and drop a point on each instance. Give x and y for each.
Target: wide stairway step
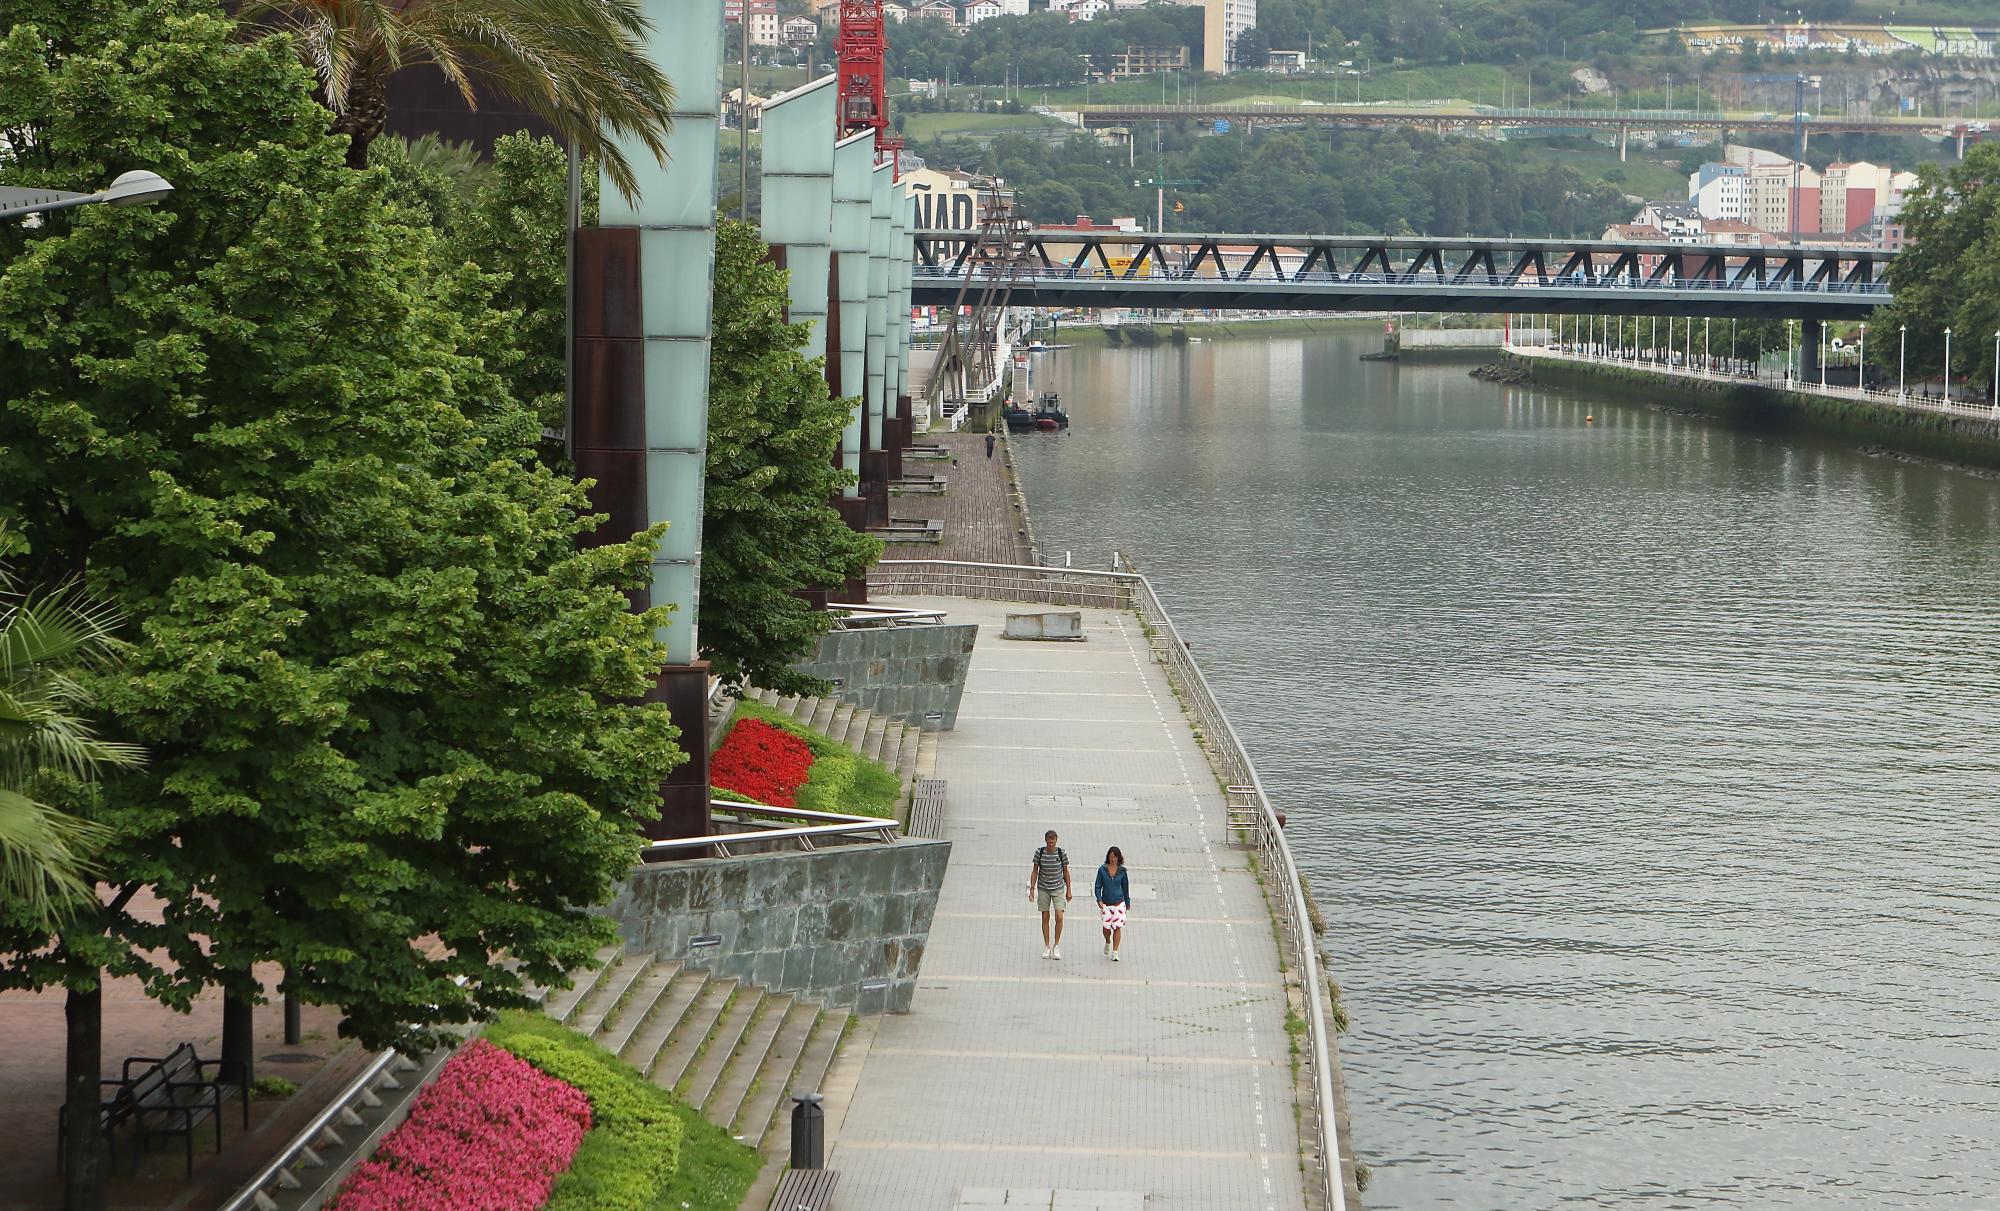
(796, 1034)
(720, 1047)
(822, 716)
(857, 728)
(802, 710)
(701, 1017)
(643, 1049)
(927, 755)
(871, 740)
(609, 992)
(637, 1008)
(562, 1004)
(742, 1069)
(837, 726)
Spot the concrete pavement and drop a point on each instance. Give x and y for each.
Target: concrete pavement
(1163, 1081)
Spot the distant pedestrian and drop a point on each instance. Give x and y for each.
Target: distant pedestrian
(989, 445)
(1048, 887)
(1114, 898)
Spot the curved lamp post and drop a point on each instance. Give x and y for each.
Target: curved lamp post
(1902, 347)
(1861, 362)
(1947, 366)
(135, 188)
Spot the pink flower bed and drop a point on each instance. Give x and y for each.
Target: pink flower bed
(491, 1133)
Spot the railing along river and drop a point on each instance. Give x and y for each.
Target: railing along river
(1119, 590)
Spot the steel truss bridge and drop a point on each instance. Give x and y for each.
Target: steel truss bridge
(1054, 268)
(1468, 116)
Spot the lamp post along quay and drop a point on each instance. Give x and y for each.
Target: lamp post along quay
(138, 187)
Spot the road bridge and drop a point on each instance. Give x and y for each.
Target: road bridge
(1462, 116)
(1055, 268)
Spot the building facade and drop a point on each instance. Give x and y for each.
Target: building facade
(1222, 22)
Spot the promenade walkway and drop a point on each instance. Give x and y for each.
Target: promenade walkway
(1161, 1082)
(983, 519)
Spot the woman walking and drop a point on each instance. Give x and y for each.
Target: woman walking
(1114, 898)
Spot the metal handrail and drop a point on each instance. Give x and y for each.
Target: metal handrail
(1600, 281)
(1224, 746)
(246, 1195)
(722, 841)
(849, 616)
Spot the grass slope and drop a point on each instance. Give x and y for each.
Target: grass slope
(714, 1171)
(842, 780)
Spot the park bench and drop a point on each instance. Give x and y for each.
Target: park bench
(805, 1190)
(927, 809)
(166, 1095)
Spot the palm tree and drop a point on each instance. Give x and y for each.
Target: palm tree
(45, 852)
(580, 65)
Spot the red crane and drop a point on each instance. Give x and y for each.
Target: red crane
(862, 50)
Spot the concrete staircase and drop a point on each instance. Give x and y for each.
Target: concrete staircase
(904, 748)
(730, 1050)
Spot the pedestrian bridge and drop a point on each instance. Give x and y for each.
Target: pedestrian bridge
(1055, 268)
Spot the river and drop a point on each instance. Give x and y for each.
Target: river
(1646, 770)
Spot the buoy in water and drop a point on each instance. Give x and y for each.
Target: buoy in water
(1590, 420)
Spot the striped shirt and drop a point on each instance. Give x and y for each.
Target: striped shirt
(1049, 868)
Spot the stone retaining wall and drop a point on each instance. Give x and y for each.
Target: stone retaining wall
(903, 673)
(846, 925)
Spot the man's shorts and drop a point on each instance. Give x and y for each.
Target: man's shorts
(1050, 901)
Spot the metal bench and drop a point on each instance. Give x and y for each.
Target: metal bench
(927, 809)
(167, 1095)
(805, 1190)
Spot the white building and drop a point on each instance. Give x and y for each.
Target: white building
(1087, 10)
(1014, 8)
(977, 11)
(799, 31)
(1678, 222)
(1719, 191)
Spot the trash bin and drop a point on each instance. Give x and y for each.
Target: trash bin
(808, 1132)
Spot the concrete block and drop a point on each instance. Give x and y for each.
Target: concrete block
(1045, 624)
(884, 960)
(901, 994)
(703, 888)
(895, 915)
(911, 958)
(767, 970)
(871, 1000)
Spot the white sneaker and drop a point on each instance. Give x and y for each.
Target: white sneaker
(1115, 958)
(1055, 952)
(1045, 953)
(1107, 950)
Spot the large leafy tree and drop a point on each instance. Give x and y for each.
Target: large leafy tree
(580, 65)
(391, 707)
(767, 530)
(1950, 275)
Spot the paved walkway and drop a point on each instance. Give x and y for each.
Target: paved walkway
(1160, 1082)
(32, 1040)
(983, 522)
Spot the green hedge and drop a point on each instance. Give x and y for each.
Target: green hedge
(646, 1150)
(842, 780)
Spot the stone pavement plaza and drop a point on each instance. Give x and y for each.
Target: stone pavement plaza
(1160, 1082)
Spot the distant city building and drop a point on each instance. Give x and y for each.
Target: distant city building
(732, 105)
(1145, 60)
(935, 10)
(798, 31)
(1222, 22)
(764, 20)
(1014, 8)
(947, 199)
(1288, 61)
(1087, 10)
(1677, 222)
(1719, 191)
(890, 12)
(977, 11)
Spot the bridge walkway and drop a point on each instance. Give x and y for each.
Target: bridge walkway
(1163, 1081)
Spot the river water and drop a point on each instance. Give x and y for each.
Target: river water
(1646, 770)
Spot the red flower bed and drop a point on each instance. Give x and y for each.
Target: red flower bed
(767, 763)
(491, 1133)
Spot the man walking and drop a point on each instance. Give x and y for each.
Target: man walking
(1048, 887)
(989, 445)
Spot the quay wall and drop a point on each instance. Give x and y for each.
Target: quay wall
(845, 924)
(1958, 439)
(905, 673)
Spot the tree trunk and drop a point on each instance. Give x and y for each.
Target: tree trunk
(83, 1145)
(239, 1040)
(366, 113)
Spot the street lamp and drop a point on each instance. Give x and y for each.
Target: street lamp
(135, 188)
(1902, 347)
(1861, 365)
(1947, 365)
(1995, 397)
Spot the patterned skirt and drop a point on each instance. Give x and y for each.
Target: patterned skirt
(1114, 915)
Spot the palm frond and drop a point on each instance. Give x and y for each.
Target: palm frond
(45, 857)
